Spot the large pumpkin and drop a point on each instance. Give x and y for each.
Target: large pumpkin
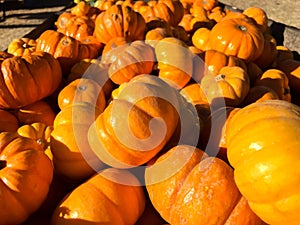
(25, 80)
(186, 186)
(238, 37)
(72, 155)
(263, 147)
(119, 21)
(137, 124)
(26, 175)
(112, 197)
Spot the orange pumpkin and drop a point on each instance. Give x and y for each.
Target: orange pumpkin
(8, 121)
(291, 68)
(92, 69)
(186, 186)
(137, 124)
(175, 61)
(40, 133)
(112, 196)
(200, 38)
(82, 90)
(82, 8)
(229, 87)
(263, 148)
(27, 79)
(238, 37)
(77, 27)
(135, 59)
(66, 49)
(170, 11)
(21, 46)
(276, 80)
(154, 35)
(26, 175)
(72, 155)
(259, 16)
(119, 21)
(192, 93)
(206, 4)
(269, 54)
(39, 111)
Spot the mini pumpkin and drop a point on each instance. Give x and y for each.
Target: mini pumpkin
(119, 21)
(27, 79)
(68, 50)
(122, 136)
(21, 46)
(72, 155)
(238, 37)
(186, 186)
(82, 90)
(259, 16)
(229, 87)
(175, 61)
(135, 59)
(112, 196)
(26, 175)
(262, 144)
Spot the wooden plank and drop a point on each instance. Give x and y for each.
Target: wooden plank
(280, 11)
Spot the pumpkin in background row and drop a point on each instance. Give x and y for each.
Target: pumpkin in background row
(119, 21)
(72, 154)
(8, 121)
(137, 124)
(21, 46)
(26, 175)
(27, 79)
(68, 50)
(186, 186)
(111, 196)
(263, 148)
(239, 37)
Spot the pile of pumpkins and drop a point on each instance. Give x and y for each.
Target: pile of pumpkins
(177, 112)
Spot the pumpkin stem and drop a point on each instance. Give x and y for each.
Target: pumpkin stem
(242, 28)
(82, 88)
(3, 164)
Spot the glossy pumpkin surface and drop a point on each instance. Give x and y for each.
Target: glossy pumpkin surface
(262, 144)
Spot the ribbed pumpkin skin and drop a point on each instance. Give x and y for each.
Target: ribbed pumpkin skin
(263, 147)
(186, 186)
(119, 21)
(25, 80)
(137, 124)
(238, 37)
(111, 197)
(26, 173)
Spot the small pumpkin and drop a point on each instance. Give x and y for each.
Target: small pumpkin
(21, 46)
(112, 196)
(82, 90)
(259, 93)
(122, 136)
(68, 50)
(75, 26)
(72, 155)
(176, 69)
(27, 79)
(291, 68)
(40, 133)
(259, 16)
(238, 37)
(262, 144)
(276, 80)
(269, 54)
(185, 185)
(26, 175)
(229, 87)
(200, 38)
(119, 21)
(39, 111)
(135, 59)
